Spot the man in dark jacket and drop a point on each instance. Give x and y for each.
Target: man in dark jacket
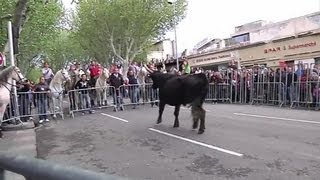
(24, 100)
(83, 85)
(116, 80)
(42, 90)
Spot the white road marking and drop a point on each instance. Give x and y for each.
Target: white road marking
(278, 118)
(198, 143)
(117, 118)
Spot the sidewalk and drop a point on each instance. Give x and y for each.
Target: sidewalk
(21, 142)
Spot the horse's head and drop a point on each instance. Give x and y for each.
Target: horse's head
(105, 73)
(17, 75)
(65, 75)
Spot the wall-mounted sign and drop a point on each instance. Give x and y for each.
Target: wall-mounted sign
(289, 47)
(200, 60)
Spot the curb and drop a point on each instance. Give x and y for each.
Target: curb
(18, 141)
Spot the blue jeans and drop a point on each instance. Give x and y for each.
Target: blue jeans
(42, 104)
(85, 101)
(134, 93)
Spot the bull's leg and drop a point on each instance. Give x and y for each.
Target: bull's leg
(202, 121)
(161, 108)
(176, 115)
(198, 113)
(195, 123)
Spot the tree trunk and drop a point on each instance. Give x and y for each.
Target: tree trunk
(125, 69)
(18, 19)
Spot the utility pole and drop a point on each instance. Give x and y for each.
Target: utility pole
(175, 34)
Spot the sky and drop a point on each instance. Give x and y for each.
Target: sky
(218, 18)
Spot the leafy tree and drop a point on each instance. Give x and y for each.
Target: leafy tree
(124, 28)
(40, 29)
(7, 8)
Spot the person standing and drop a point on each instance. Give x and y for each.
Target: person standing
(42, 90)
(116, 80)
(47, 73)
(83, 85)
(186, 69)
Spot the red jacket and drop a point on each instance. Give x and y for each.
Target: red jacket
(94, 70)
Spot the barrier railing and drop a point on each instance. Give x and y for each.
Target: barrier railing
(278, 89)
(86, 100)
(219, 93)
(267, 93)
(33, 105)
(305, 93)
(136, 95)
(37, 169)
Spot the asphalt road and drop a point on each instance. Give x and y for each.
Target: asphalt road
(240, 142)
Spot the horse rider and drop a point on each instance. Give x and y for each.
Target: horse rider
(94, 70)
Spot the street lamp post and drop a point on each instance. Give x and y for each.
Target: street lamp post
(175, 33)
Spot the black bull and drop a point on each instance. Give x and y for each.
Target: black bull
(177, 90)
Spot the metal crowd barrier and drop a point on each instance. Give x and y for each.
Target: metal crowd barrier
(295, 86)
(37, 169)
(218, 93)
(87, 100)
(134, 95)
(267, 93)
(32, 105)
(305, 93)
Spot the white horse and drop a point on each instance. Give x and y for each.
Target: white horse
(56, 88)
(101, 87)
(6, 82)
(141, 77)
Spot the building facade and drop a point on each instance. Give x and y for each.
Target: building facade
(161, 51)
(260, 42)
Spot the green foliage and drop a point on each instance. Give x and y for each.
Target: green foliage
(40, 29)
(34, 74)
(7, 8)
(124, 28)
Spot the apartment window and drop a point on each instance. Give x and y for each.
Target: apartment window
(317, 60)
(241, 38)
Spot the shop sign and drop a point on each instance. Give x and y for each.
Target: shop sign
(202, 60)
(290, 47)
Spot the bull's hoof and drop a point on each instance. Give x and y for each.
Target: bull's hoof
(175, 125)
(159, 121)
(201, 132)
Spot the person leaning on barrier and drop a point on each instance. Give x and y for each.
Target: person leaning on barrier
(133, 88)
(83, 85)
(116, 80)
(41, 96)
(24, 99)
